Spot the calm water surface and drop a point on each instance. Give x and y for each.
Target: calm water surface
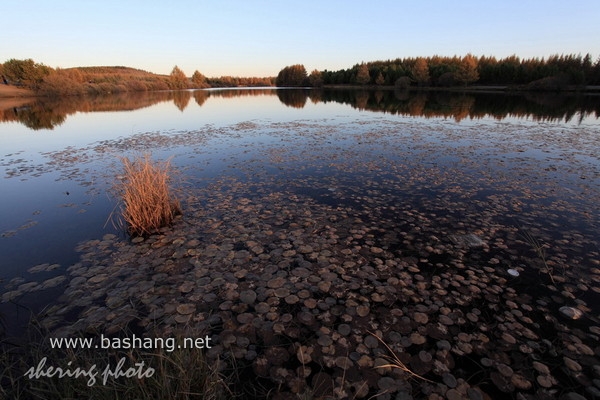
(535, 158)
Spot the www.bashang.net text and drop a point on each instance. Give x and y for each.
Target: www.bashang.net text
(93, 373)
(132, 343)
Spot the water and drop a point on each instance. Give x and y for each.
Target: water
(469, 151)
(403, 202)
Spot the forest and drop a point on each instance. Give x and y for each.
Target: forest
(557, 72)
(47, 81)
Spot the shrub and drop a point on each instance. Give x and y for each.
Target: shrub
(136, 86)
(549, 83)
(60, 83)
(147, 200)
(447, 79)
(402, 83)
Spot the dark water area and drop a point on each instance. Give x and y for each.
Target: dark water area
(404, 213)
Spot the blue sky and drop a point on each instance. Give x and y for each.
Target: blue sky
(258, 38)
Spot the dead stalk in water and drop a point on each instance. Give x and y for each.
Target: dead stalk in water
(540, 249)
(395, 361)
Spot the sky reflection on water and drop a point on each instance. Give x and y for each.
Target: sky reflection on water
(55, 190)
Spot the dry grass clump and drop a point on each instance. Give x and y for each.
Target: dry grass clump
(147, 200)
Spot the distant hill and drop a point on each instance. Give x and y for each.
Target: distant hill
(115, 70)
(102, 79)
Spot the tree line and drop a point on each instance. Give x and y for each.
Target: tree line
(555, 72)
(48, 81)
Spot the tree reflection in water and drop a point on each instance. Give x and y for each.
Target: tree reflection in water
(45, 113)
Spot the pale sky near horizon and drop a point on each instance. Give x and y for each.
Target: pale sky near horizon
(259, 38)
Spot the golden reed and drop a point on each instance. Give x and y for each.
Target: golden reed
(148, 203)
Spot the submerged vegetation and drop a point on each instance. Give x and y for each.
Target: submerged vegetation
(148, 203)
(346, 256)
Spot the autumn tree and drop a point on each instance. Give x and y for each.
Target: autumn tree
(315, 78)
(177, 79)
(380, 80)
(420, 71)
(467, 70)
(362, 74)
(293, 75)
(199, 80)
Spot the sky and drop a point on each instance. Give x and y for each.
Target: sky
(259, 38)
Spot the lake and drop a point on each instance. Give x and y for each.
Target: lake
(467, 220)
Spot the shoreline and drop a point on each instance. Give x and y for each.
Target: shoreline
(518, 89)
(10, 91)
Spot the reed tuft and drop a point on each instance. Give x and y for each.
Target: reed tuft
(147, 200)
